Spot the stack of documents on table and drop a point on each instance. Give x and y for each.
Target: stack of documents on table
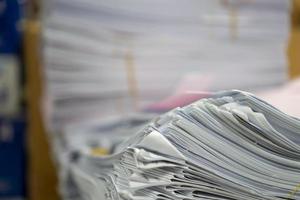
(230, 146)
(112, 57)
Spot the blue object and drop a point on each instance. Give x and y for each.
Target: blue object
(10, 26)
(12, 158)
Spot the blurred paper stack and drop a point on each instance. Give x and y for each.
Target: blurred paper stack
(105, 58)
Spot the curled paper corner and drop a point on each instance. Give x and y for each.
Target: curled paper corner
(155, 141)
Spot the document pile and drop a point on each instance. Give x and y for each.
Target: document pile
(230, 146)
(113, 57)
(103, 136)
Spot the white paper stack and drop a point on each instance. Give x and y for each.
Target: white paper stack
(101, 135)
(232, 146)
(112, 57)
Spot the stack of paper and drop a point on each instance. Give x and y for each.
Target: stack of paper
(102, 136)
(231, 146)
(112, 57)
